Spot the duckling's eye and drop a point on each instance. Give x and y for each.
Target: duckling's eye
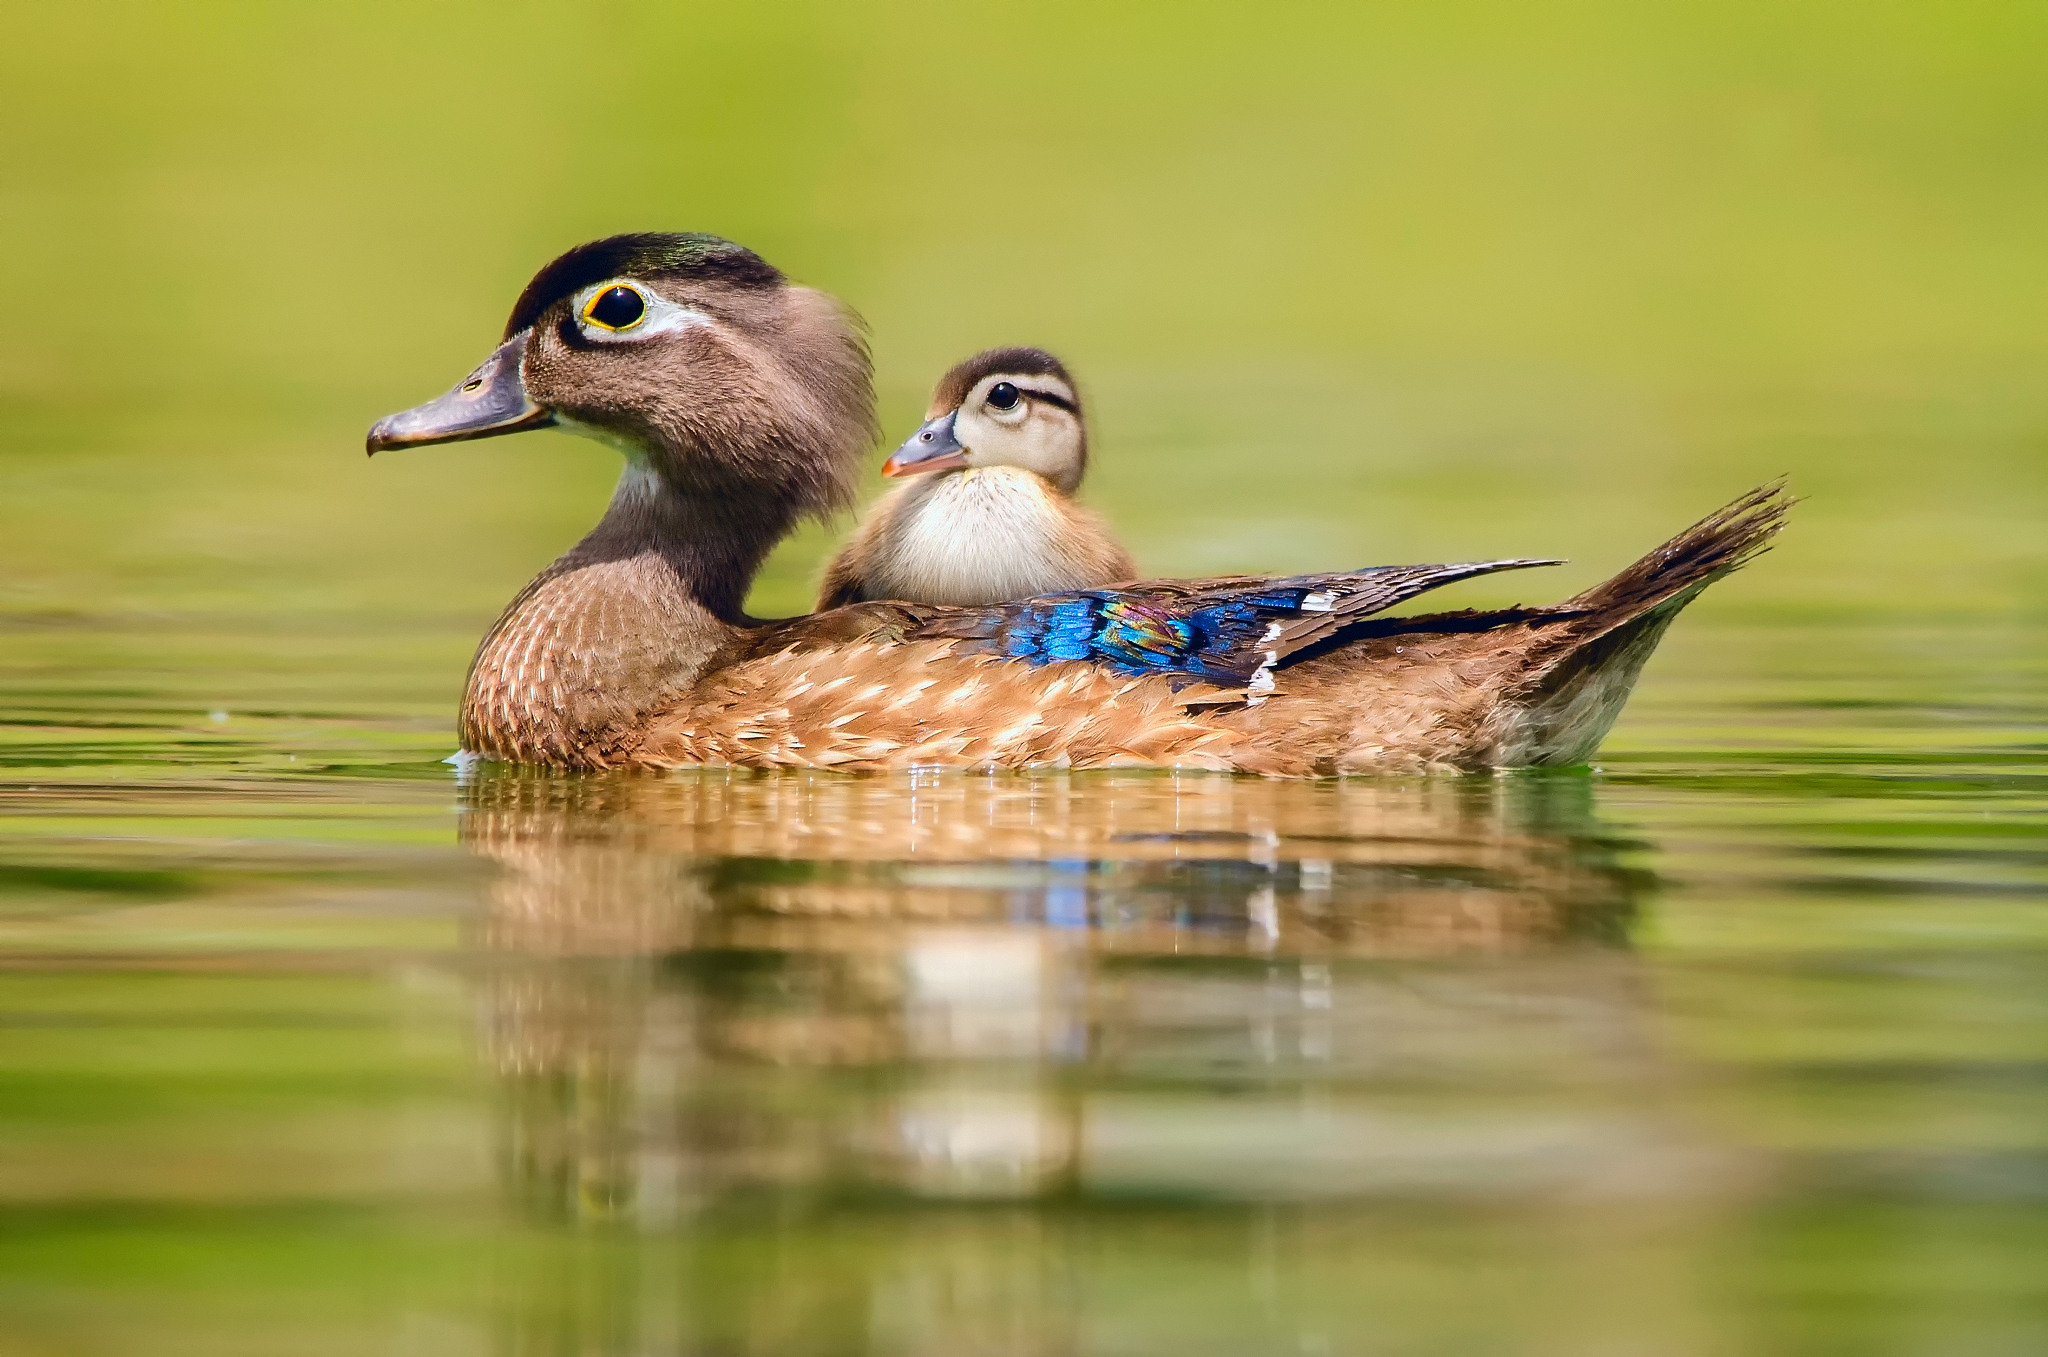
(616, 308)
(1003, 396)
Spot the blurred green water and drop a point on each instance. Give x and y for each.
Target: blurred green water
(1734, 1046)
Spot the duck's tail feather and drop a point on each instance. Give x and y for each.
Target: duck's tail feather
(1576, 685)
(1675, 573)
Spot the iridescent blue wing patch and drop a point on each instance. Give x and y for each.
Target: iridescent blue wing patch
(1231, 632)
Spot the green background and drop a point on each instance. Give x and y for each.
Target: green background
(1347, 284)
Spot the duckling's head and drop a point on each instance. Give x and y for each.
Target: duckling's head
(1005, 407)
(692, 355)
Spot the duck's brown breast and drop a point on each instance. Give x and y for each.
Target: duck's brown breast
(573, 670)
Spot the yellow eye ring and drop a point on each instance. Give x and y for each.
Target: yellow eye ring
(616, 308)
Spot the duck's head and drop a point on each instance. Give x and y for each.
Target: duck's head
(691, 354)
(1005, 407)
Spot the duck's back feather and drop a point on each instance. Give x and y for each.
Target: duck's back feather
(1167, 674)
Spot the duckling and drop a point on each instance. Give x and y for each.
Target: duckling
(743, 403)
(989, 515)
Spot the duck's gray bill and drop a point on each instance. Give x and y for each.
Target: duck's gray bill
(934, 447)
(492, 400)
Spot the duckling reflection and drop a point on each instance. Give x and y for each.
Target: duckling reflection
(962, 986)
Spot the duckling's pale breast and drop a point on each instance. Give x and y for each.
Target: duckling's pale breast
(984, 535)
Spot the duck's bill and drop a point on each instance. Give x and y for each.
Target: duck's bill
(492, 400)
(931, 448)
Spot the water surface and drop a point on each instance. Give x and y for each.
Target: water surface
(1736, 1043)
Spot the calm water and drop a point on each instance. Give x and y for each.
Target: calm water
(1736, 1044)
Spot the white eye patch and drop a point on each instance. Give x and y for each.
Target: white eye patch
(597, 307)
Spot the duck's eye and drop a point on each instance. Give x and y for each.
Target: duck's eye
(616, 308)
(1003, 396)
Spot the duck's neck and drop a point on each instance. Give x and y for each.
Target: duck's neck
(711, 546)
(619, 627)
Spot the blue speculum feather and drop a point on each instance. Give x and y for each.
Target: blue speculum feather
(1221, 633)
(1142, 637)
(1147, 636)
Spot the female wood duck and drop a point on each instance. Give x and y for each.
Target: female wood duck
(743, 402)
(989, 516)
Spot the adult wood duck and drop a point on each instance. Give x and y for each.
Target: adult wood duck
(743, 402)
(989, 516)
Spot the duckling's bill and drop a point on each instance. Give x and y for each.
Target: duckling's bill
(491, 400)
(934, 447)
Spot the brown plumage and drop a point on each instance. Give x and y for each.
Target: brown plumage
(743, 403)
(987, 514)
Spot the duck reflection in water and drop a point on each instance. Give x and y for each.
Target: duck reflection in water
(961, 986)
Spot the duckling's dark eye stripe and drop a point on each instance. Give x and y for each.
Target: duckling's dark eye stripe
(1050, 399)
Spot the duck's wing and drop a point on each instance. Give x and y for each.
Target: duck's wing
(1231, 632)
